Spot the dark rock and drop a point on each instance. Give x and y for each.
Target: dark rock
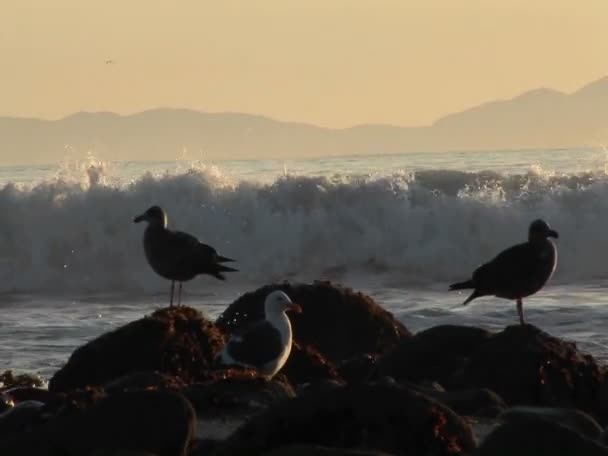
(205, 447)
(526, 366)
(474, 402)
(438, 353)
(9, 380)
(315, 450)
(389, 418)
(338, 321)
(21, 418)
(143, 380)
(358, 369)
(235, 391)
(177, 341)
(575, 419)
(306, 364)
(315, 387)
(119, 453)
(522, 364)
(534, 436)
(162, 423)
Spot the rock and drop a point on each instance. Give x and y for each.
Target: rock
(534, 436)
(21, 418)
(119, 453)
(526, 366)
(337, 321)
(387, 418)
(177, 341)
(575, 419)
(236, 391)
(161, 423)
(474, 402)
(143, 380)
(316, 450)
(358, 369)
(438, 353)
(306, 364)
(522, 364)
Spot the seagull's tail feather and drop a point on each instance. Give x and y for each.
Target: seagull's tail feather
(462, 285)
(223, 259)
(474, 295)
(221, 268)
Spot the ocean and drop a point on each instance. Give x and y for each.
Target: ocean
(398, 227)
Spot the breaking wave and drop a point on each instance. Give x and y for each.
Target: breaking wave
(74, 232)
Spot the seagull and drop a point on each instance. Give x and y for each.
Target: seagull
(517, 272)
(264, 345)
(178, 256)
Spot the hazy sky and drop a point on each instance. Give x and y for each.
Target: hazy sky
(328, 62)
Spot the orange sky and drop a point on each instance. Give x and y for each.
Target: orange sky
(329, 62)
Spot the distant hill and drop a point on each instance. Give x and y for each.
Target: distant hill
(540, 118)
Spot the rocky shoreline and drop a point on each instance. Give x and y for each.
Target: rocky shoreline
(357, 382)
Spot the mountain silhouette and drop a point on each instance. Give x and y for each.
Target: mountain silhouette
(540, 118)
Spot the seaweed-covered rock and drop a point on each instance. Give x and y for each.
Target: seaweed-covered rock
(527, 366)
(522, 364)
(236, 391)
(360, 368)
(389, 418)
(143, 380)
(161, 423)
(177, 341)
(306, 364)
(338, 321)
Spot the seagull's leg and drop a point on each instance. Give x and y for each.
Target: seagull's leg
(520, 311)
(172, 289)
(179, 295)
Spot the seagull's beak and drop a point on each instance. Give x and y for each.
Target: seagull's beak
(553, 234)
(139, 218)
(294, 308)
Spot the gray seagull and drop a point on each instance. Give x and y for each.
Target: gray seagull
(517, 272)
(178, 256)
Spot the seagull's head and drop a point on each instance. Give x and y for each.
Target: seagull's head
(278, 302)
(540, 230)
(154, 216)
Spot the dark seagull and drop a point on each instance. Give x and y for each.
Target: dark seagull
(517, 272)
(263, 345)
(178, 256)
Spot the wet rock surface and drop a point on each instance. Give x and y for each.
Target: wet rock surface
(390, 418)
(535, 436)
(575, 419)
(339, 322)
(177, 341)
